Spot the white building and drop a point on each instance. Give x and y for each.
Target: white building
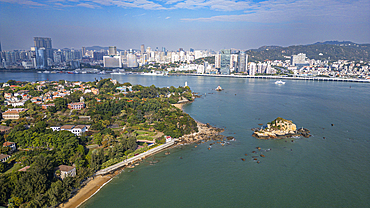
(112, 61)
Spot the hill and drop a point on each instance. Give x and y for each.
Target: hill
(329, 50)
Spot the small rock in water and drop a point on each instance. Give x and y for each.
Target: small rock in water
(332, 124)
(324, 138)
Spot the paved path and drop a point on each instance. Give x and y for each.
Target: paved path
(135, 158)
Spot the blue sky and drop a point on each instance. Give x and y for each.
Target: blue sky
(198, 24)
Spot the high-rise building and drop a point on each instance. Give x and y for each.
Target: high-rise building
(41, 42)
(112, 51)
(298, 59)
(83, 51)
(242, 62)
(131, 59)
(218, 61)
(252, 68)
(142, 49)
(225, 61)
(41, 58)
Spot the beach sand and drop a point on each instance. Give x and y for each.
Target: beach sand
(87, 191)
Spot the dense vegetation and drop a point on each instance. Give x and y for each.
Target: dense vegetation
(117, 119)
(331, 51)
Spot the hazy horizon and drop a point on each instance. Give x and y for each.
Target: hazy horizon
(174, 24)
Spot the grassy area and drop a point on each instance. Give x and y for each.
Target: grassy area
(15, 167)
(141, 137)
(141, 132)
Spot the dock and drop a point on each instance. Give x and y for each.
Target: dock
(136, 158)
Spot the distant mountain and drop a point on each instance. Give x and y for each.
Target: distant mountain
(329, 50)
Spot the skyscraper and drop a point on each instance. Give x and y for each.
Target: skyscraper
(83, 51)
(225, 61)
(41, 42)
(112, 51)
(142, 49)
(242, 62)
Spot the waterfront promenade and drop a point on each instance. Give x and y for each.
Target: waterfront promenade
(278, 77)
(135, 158)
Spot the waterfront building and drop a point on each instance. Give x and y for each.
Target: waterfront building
(252, 68)
(225, 61)
(242, 62)
(131, 59)
(41, 42)
(112, 61)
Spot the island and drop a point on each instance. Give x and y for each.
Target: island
(280, 128)
(62, 140)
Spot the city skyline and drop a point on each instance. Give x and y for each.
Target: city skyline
(174, 24)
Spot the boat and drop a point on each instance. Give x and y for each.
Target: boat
(155, 73)
(279, 82)
(219, 88)
(118, 73)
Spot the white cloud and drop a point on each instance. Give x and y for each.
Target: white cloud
(91, 6)
(273, 11)
(168, 17)
(23, 2)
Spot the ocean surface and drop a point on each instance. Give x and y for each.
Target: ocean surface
(296, 172)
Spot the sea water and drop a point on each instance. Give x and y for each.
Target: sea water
(295, 172)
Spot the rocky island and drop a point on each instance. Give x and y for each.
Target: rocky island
(280, 128)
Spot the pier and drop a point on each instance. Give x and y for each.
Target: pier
(136, 158)
(279, 77)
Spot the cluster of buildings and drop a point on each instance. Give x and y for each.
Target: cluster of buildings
(135, 58)
(18, 99)
(41, 56)
(227, 61)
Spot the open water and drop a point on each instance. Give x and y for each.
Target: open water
(299, 172)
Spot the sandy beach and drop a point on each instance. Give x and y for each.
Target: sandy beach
(87, 191)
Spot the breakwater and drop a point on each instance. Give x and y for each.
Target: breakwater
(278, 77)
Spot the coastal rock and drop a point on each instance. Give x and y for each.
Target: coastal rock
(279, 129)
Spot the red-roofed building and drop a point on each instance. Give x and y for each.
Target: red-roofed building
(76, 106)
(11, 145)
(13, 113)
(45, 106)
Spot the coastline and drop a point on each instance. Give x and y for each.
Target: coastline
(205, 132)
(89, 190)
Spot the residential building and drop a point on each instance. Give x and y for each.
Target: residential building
(66, 171)
(11, 145)
(76, 106)
(13, 113)
(4, 158)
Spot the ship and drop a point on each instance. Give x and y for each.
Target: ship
(155, 73)
(279, 82)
